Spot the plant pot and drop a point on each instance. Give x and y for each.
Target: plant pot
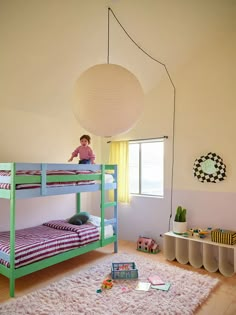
(179, 227)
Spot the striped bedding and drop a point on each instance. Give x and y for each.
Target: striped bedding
(51, 238)
(4, 185)
(56, 184)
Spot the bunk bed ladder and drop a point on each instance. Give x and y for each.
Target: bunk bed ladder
(105, 205)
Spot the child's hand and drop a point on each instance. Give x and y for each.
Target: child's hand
(71, 159)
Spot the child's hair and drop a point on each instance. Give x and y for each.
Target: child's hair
(87, 137)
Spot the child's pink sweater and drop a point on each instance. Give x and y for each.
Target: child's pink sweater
(85, 153)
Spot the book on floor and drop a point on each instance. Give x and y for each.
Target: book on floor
(155, 280)
(163, 287)
(143, 286)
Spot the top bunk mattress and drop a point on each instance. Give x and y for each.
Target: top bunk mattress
(7, 175)
(49, 180)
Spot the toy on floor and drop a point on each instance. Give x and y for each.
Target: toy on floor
(148, 245)
(107, 283)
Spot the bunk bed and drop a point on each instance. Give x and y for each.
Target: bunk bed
(29, 180)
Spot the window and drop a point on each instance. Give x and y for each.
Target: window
(146, 167)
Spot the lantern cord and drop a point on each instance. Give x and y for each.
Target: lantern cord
(174, 98)
(147, 54)
(108, 36)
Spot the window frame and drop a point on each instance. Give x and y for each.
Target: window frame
(140, 142)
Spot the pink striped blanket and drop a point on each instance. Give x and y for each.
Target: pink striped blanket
(4, 185)
(43, 241)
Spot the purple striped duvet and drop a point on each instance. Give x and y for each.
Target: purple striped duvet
(51, 238)
(48, 185)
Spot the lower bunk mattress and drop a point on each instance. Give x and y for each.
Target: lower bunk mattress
(43, 241)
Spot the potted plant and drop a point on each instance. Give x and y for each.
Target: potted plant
(180, 224)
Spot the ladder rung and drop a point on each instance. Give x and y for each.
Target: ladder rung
(110, 204)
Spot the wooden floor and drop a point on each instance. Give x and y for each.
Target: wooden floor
(221, 302)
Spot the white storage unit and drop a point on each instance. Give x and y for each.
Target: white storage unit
(201, 252)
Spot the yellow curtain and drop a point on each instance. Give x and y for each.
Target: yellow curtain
(119, 154)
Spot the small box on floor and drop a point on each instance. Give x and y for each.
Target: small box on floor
(223, 236)
(124, 270)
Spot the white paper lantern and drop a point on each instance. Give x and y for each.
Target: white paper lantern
(108, 100)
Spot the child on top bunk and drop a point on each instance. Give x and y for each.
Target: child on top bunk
(86, 155)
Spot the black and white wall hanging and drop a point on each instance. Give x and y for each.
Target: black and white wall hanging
(209, 168)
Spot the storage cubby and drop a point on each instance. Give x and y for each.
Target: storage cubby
(181, 252)
(169, 245)
(210, 257)
(201, 252)
(226, 266)
(195, 254)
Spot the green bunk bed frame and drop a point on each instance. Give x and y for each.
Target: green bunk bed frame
(43, 179)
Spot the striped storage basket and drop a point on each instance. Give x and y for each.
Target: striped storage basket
(223, 236)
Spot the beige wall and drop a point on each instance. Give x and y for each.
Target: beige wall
(45, 46)
(206, 112)
(33, 137)
(204, 122)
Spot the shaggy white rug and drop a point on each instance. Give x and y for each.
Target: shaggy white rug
(77, 294)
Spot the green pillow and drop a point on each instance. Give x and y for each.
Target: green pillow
(85, 213)
(79, 218)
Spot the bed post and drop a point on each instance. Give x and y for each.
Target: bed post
(12, 231)
(116, 208)
(102, 206)
(78, 203)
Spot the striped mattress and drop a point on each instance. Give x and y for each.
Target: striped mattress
(5, 185)
(43, 241)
